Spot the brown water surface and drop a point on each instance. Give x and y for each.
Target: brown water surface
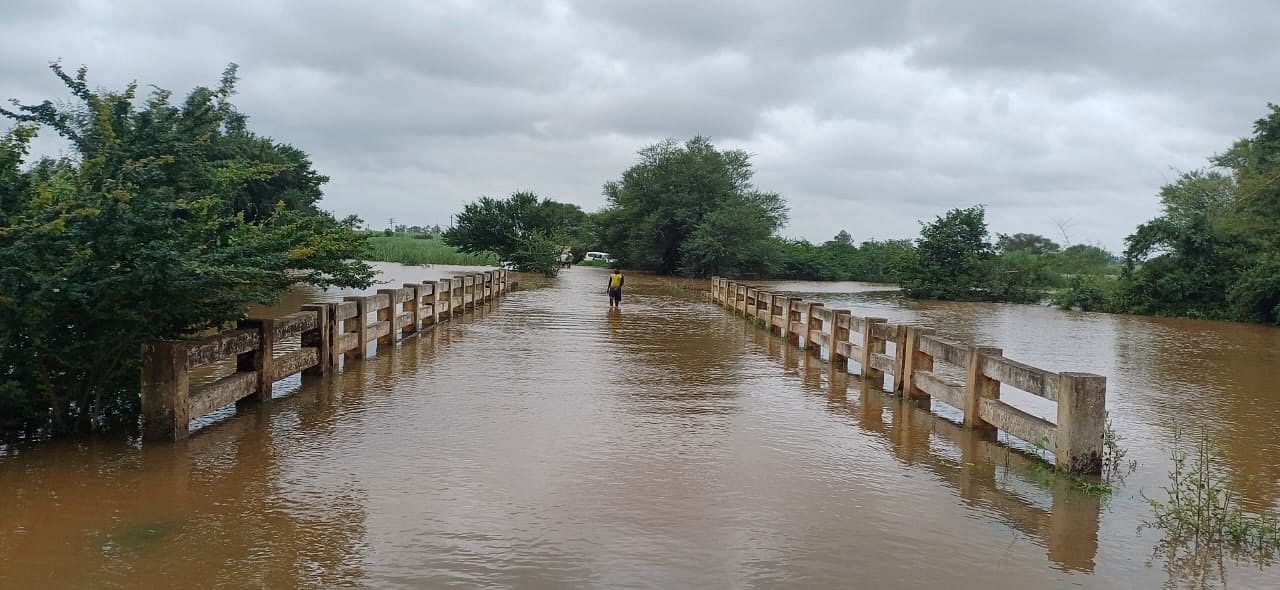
(548, 443)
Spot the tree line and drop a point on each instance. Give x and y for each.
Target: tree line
(689, 208)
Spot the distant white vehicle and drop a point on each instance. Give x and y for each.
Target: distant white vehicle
(599, 257)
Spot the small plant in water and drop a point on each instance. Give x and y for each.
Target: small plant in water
(1114, 465)
(1204, 522)
(1203, 511)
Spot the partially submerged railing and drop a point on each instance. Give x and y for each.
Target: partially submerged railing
(1075, 437)
(327, 333)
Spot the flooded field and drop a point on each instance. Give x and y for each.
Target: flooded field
(549, 443)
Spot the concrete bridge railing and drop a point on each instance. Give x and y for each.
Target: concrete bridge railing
(1075, 437)
(327, 333)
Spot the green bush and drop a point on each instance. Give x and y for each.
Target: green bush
(1089, 293)
(169, 220)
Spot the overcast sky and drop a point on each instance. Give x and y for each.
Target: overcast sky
(865, 115)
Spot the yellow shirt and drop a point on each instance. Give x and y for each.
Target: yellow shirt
(615, 280)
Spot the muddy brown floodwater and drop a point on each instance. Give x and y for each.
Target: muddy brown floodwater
(547, 443)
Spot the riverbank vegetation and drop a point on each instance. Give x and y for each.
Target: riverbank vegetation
(691, 209)
(165, 220)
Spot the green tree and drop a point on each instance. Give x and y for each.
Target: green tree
(672, 211)
(952, 257)
(168, 220)
(1023, 242)
(528, 231)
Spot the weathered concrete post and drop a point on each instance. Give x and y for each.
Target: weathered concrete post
(914, 360)
(871, 345)
(412, 305)
(444, 299)
(776, 312)
(260, 359)
(793, 317)
(432, 289)
(388, 314)
(838, 333)
(1082, 411)
(978, 386)
(360, 326)
(715, 289)
(166, 391)
(319, 338)
(749, 307)
(812, 324)
(899, 359)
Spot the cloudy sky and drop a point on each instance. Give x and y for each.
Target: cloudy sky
(866, 115)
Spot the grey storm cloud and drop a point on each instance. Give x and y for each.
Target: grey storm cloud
(866, 115)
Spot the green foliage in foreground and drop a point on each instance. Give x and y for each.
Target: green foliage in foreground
(406, 249)
(168, 220)
(524, 229)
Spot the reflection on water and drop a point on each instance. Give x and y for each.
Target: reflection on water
(548, 442)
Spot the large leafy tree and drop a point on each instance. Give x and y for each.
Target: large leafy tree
(524, 229)
(168, 219)
(1215, 249)
(952, 257)
(691, 208)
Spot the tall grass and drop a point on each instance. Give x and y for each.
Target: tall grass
(411, 250)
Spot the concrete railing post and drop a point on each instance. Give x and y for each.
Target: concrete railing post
(320, 338)
(899, 359)
(776, 311)
(412, 305)
(1082, 417)
(166, 391)
(812, 324)
(793, 316)
(444, 299)
(434, 316)
(260, 359)
(838, 334)
(871, 345)
(762, 305)
(359, 326)
(914, 360)
(978, 386)
(388, 314)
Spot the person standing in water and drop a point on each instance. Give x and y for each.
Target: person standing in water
(615, 287)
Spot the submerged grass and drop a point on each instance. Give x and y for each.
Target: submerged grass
(411, 250)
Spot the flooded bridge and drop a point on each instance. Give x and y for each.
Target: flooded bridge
(541, 441)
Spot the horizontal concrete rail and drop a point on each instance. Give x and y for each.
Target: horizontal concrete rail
(327, 332)
(1075, 437)
(218, 347)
